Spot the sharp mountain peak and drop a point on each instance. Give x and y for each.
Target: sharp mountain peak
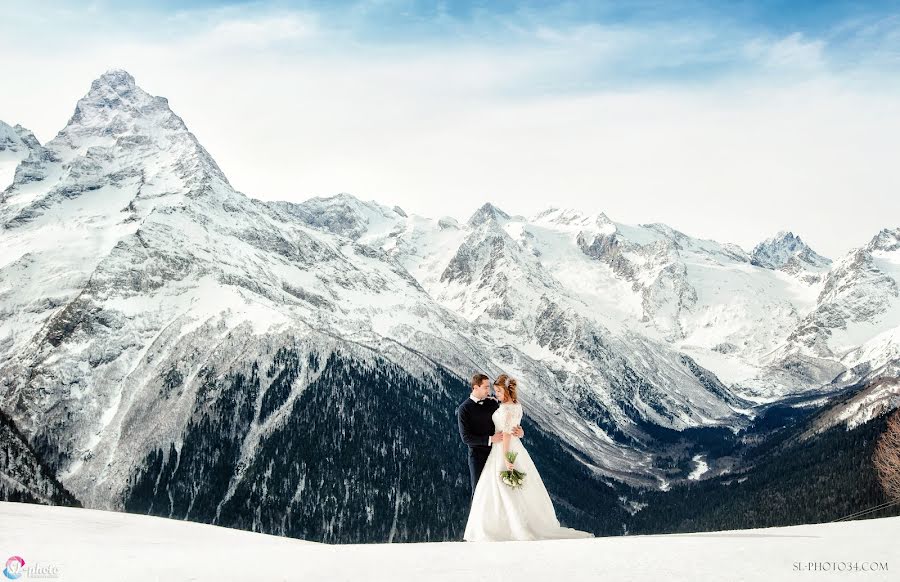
(486, 213)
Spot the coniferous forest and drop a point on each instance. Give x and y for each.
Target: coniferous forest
(368, 452)
(785, 483)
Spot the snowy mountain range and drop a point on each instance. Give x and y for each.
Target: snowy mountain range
(170, 345)
(757, 320)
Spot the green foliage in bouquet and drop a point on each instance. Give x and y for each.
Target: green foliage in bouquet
(514, 478)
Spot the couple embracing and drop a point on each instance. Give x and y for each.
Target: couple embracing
(509, 500)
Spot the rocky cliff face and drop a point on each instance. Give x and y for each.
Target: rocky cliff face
(850, 334)
(16, 145)
(870, 400)
(788, 253)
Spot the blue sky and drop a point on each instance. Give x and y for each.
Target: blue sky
(659, 41)
(728, 120)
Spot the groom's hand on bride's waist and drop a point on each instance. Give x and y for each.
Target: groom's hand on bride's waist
(498, 436)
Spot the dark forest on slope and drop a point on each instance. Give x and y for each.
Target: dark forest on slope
(370, 453)
(24, 477)
(784, 483)
(367, 453)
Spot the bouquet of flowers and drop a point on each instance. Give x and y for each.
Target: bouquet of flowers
(513, 478)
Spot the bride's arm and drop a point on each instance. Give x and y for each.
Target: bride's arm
(506, 438)
(508, 432)
(518, 431)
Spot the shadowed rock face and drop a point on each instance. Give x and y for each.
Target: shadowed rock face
(667, 292)
(856, 290)
(19, 150)
(788, 252)
(485, 214)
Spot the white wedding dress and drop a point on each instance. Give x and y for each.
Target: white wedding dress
(501, 513)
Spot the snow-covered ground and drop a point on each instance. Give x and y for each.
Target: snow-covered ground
(83, 544)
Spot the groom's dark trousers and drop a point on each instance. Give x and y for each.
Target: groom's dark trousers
(476, 429)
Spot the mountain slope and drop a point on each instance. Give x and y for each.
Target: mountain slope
(23, 475)
(851, 331)
(757, 320)
(624, 383)
(827, 478)
(874, 399)
(708, 300)
(161, 261)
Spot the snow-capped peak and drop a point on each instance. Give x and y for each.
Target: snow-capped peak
(14, 136)
(122, 138)
(486, 213)
(887, 240)
(117, 79)
(16, 144)
(117, 113)
(786, 249)
(113, 98)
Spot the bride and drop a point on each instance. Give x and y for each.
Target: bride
(499, 512)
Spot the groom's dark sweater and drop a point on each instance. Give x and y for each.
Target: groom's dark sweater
(476, 429)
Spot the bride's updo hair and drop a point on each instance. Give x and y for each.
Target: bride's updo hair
(509, 386)
(512, 391)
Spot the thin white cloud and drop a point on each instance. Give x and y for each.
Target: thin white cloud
(793, 52)
(271, 29)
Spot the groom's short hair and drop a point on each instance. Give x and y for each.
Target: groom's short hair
(477, 379)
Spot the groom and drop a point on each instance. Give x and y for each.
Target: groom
(476, 426)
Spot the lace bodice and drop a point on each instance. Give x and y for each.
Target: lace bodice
(507, 417)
